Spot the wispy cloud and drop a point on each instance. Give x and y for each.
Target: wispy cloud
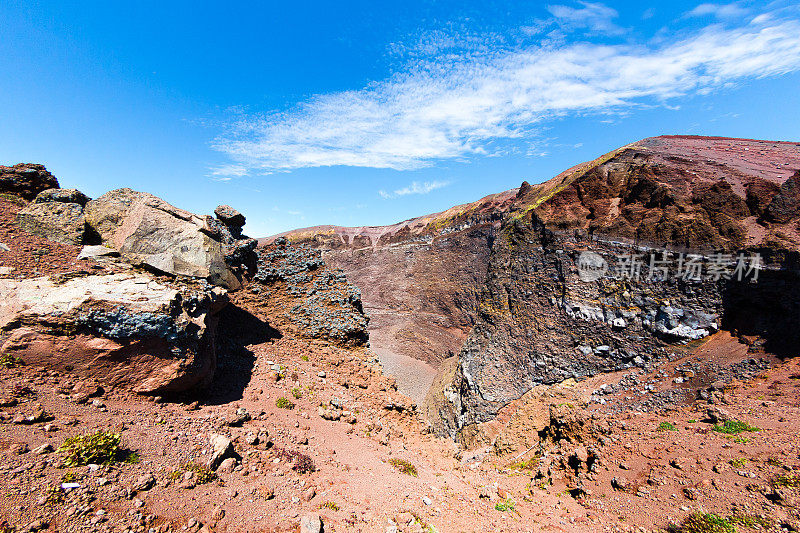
(597, 18)
(414, 188)
(720, 11)
(227, 172)
(471, 105)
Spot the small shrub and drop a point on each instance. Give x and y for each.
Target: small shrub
(102, 447)
(297, 393)
(505, 505)
(733, 427)
(738, 463)
(705, 523)
(752, 521)
(202, 473)
(333, 506)
(54, 495)
(70, 477)
(304, 357)
(528, 464)
(787, 480)
(404, 466)
(666, 426)
(284, 403)
(8, 360)
(691, 421)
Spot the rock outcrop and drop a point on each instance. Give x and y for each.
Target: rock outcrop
(153, 336)
(150, 232)
(318, 301)
(56, 214)
(26, 180)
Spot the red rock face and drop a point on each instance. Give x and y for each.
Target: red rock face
(681, 192)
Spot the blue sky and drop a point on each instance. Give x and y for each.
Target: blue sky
(366, 113)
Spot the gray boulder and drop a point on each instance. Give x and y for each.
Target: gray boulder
(56, 221)
(148, 231)
(69, 196)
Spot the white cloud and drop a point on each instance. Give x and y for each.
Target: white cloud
(594, 17)
(227, 172)
(721, 11)
(414, 188)
(470, 105)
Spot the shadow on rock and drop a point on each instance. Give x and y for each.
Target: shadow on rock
(769, 308)
(237, 330)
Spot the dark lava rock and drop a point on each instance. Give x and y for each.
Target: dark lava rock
(26, 180)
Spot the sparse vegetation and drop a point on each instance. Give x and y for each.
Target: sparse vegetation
(8, 360)
(202, 473)
(528, 464)
(505, 505)
(691, 421)
(787, 480)
(53, 496)
(284, 403)
(752, 521)
(733, 427)
(304, 357)
(704, 523)
(69, 477)
(297, 393)
(101, 447)
(404, 466)
(333, 506)
(738, 462)
(666, 426)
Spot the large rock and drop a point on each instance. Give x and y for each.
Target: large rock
(56, 221)
(26, 180)
(148, 231)
(122, 329)
(70, 196)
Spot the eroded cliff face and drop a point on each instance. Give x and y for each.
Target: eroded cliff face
(496, 283)
(539, 323)
(419, 279)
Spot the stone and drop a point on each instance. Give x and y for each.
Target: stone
(221, 448)
(718, 415)
(97, 251)
(26, 180)
(144, 482)
(309, 494)
(148, 231)
(44, 449)
(620, 483)
(218, 513)
(122, 329)
(311, 523)
(68, 196)
(56, 221)
(229, 216)
(227, 465)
